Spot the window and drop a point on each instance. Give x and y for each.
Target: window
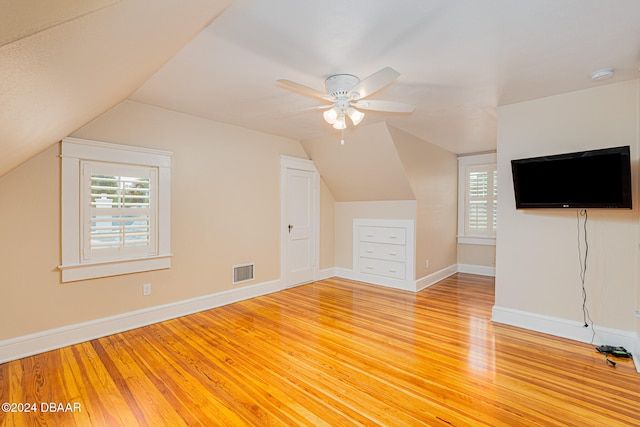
(119, 202)
(477, 199)
(115, 209)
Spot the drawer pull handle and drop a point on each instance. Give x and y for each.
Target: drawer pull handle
(369, 235)
(393, 270)
(369, 251)
(369, 267)
(393, 237)
(393, 253)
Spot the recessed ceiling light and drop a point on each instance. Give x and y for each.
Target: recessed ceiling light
(603, 74)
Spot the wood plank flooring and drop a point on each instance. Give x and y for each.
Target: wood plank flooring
(333, 353)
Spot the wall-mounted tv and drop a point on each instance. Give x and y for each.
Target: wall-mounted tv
(586, 179)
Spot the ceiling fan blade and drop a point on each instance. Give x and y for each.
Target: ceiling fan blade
(317, 107)
(375, 82)
(305, 90)
(302, 110)
(390, 106)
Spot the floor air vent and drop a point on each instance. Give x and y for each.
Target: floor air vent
(243, 273)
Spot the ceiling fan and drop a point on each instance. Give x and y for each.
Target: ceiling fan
(345, 93)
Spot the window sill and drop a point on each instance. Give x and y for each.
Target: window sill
(73, 273)
(487, 241)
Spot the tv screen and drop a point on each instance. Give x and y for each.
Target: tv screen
(586, 179)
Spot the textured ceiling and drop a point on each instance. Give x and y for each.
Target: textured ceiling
(24, 18)
(64, 63)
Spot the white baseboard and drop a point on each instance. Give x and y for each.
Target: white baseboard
(480, 270)
(405, 285)
(564, 328)
(433, 278)
(27, 345)
(326, 273)
(343, 273)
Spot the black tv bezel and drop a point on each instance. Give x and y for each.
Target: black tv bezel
(626, 202)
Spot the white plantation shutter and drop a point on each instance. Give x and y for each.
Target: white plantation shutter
(119, 211)
(495, 199)
(478, 199)
(481, 201)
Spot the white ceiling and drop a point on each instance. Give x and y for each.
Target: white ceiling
(458, 60)
(64, 63)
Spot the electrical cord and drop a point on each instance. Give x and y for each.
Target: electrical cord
(586, 317)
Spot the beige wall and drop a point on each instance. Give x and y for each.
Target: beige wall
(327, 228)
(433, 175)
(537, 268)
(477, 255)
(225, 211)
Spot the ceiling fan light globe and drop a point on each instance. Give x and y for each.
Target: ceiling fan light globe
(355, 115)
(330, 116)
(340, 123)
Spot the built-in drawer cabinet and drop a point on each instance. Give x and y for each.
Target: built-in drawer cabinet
(381, 267)
(384, 249)
(392, 235)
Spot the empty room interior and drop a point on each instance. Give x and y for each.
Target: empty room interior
(243, 212)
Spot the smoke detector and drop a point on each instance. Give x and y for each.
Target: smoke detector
(604, 74)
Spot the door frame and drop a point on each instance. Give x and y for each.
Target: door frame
(286, 163)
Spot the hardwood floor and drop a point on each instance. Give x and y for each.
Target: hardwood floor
(335, 353)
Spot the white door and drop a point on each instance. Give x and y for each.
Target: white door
(300, 221)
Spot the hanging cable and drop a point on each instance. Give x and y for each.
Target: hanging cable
(583, 269)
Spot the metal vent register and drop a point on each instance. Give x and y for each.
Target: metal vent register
(243, 273)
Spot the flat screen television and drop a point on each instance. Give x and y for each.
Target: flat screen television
(586, 179)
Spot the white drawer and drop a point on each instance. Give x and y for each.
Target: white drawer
(379, 267)
(383, 251)
(396, 235)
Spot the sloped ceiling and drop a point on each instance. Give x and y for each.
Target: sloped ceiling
(367, 167)
(28, 17)
(64, 62)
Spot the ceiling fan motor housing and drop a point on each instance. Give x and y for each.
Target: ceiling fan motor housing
(339, 85)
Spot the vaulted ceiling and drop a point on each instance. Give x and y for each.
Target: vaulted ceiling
(64, 63)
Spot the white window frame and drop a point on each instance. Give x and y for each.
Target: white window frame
(77, 152)
(464, 164)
